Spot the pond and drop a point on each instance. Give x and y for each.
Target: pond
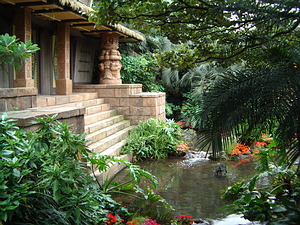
(191, 187)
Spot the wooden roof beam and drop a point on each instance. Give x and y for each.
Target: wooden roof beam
(82, 24)
(41, 3)
(74, 21)
(52, 11)
(14, 2)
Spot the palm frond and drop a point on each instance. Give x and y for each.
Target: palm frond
(243, 101)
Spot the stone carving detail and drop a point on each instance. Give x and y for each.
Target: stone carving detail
(110, 57)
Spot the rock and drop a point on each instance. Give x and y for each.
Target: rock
(201, 222)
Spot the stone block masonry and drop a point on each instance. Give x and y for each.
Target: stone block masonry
(17, 98)
(129, 100)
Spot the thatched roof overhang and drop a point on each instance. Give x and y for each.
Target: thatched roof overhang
(76, 14)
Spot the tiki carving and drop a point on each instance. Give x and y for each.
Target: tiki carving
(110, 57)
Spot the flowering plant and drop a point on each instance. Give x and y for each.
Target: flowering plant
(182, 147)
(183, 219)
(150, 222)
(184, 125)
(240, 149)
(111, 219)
(260, 144)
(142, 221)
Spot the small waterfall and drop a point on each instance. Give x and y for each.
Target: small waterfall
(196, 155)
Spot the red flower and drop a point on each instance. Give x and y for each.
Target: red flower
(184, 218)
(112, 219)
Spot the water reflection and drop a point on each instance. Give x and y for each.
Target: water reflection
(191, 187)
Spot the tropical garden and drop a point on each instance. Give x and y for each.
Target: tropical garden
(230, 70)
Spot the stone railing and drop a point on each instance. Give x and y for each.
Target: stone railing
(129, 100)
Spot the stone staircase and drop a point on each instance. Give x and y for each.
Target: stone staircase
(105, 130)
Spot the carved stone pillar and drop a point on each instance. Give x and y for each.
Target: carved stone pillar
(23, 32)
(110, 57)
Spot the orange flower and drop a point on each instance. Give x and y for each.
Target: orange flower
(240, 149)
(182, 147)
(260, 144)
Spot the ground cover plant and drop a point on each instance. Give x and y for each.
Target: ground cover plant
(153, 139)
(45, 178)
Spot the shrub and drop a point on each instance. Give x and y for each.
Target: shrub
(154, 139)
(141, 69)
(44, 177)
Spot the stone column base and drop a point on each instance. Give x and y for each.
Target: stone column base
(64, 87)
(27, 83)
(110, 81)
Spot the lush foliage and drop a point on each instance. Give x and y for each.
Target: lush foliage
(15, 52)
(218, 29)
(154, 139)
(130, 185)
(245, 102)
(141, 69)
(44, 182)
(45, 178)
(272, 196)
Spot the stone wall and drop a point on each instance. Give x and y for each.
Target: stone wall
(129, 100)
(17, 98)
(73, 116)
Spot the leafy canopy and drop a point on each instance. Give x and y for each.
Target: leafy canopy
(218, 29)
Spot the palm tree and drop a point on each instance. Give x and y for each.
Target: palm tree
(245, 102)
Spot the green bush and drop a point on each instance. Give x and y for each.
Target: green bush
(15, 52)
(154, 139)
(141, 69)
(44, 177)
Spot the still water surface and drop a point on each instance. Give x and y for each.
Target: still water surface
(191, 187)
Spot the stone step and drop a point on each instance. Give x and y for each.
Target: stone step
(94, 118)
(88, 129)
(96, 109)
(97, 103)
(115, 149)
(111, 140)
(52, 100)
(107, 131)
(89, 102)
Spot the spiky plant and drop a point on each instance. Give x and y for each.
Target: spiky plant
(244, 102)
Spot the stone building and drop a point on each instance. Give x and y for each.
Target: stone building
(76, 73)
